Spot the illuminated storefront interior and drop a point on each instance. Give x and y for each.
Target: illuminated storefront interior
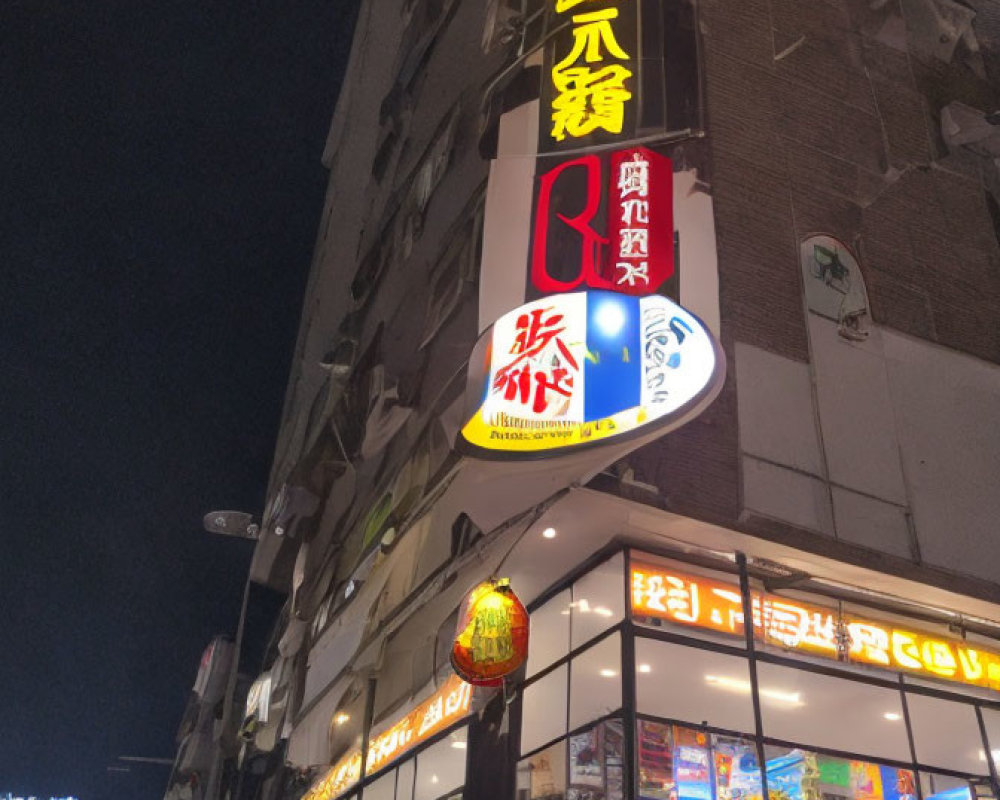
(645, 661)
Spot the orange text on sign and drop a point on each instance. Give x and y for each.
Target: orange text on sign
(713, 605)
(448, 704)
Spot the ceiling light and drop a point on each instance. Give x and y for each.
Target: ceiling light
(549, 533)
(459, 745)
(341, 718)
(892, 716)
(735, 684)
(645, 668)
(608, 673)
(603, 612)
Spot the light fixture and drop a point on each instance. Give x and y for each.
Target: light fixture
(601, 611)
(341, 718)
(737, 685)
(549, 533)
(994, 753)
(645, 669)
(892, 716)
(608, 673)
(610, 317)
(459, 745)
(434, 778)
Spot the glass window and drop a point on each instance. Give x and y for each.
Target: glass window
(692, 685)
(404, 779)
(802, 774)
(946, 734)
(441, 767)
(543, 710)
(678, 763)
(991, 718)
(596, 763)
(839, 714)
(945, 787)
(598, 600)
(596, 682)
(543, 775)
(549, 633)
(382, 789)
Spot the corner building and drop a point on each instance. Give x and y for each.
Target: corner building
(681, 315)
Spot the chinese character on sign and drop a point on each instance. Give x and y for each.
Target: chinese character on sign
(591, 94)
(542, 369)
(633, 235)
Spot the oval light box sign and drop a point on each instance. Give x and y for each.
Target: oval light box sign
(570, 371)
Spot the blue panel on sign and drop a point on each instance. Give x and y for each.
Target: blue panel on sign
(613, 369)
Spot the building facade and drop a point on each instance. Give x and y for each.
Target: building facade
(676, 314)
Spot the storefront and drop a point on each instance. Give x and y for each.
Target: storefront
(644, 661)
(642, 682)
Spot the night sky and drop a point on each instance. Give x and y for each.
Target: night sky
(160, 188)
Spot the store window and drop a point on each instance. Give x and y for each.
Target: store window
(441, 768)
(543, 775)
(946, 734)
(597, 763)
(679, 762)
(598, 600)
(549, 632)
(404, 779)
(835, 713)
(801, 774)
(382, 789)
(692, 685)
(595, 682)
(543, 710)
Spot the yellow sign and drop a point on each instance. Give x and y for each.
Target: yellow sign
(590, 90)
(448, 704)
(712, 605)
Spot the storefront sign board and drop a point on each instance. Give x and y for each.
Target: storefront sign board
(573, 370)
(713, 605)
(447, 705)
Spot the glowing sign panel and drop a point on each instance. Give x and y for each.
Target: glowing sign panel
(447, 705)
(572, 247)
(576, 369)
(713, 605)
(591, 66)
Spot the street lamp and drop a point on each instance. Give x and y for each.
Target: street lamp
(232, 523)
(238, 524)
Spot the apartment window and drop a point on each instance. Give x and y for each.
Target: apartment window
(455, 272)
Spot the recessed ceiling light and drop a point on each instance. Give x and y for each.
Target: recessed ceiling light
(549, 533)
(892, 716)
(608, 673)
(645, 668)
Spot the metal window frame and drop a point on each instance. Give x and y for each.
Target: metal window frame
(630, 715)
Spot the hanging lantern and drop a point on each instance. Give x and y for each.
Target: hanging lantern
(491, 640)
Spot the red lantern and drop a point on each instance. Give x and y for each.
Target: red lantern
(491, 640)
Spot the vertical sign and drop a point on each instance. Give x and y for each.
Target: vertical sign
(589, 76)
(604, 222)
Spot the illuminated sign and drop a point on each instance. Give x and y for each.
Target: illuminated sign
(713, 605)
(572, 370)
(591, 65)
(447, 705)
(628, 248)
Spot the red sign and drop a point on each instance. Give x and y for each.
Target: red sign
(637, 255)
(640, 255)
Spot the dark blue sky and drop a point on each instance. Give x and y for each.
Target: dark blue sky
(160, 187)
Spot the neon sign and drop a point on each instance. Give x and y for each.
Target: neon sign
(712, 605)
(637, 254)
(592, 80)
(572, 370)
(448, 704)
